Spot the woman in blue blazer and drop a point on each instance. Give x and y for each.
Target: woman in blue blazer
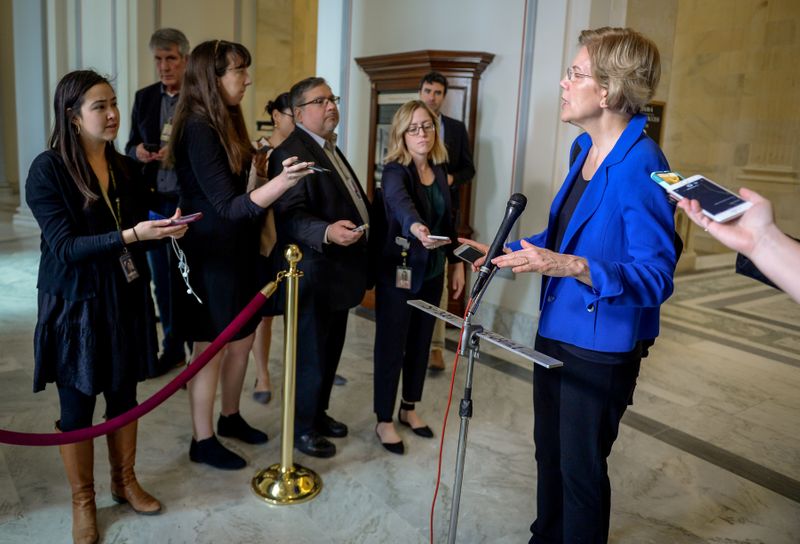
(607, 259)
(416, 200)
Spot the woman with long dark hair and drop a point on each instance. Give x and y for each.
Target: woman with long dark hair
(95, 330)
(212, 156)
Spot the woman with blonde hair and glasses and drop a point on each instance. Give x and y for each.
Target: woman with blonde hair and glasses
(607, 259)
(212, 155)
(416, 202)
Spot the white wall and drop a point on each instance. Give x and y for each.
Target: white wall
(384, 26)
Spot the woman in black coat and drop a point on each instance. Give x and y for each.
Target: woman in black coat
(95, 330)
(417, 205)
(212, 156)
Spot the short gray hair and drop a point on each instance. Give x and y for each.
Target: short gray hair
(165, 38)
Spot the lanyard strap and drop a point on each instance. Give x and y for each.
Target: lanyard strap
(118, 215)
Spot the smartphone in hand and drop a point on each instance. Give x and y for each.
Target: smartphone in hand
(717, 202)
(666, 178)
(191, 218)
(360, 228)
(438, 238)
(152, 148)
(468, 253)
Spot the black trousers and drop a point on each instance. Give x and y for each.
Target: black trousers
(161, 258)
(577, 410)
(320, 339)
(77, 409)
(402, 342)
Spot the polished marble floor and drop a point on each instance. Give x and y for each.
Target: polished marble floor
(710, 452)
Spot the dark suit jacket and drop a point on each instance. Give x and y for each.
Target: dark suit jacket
(146, 128)
(459, 162)
(337, 275)
(405, 203)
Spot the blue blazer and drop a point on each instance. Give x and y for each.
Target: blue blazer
(404, 202)
(624, 227)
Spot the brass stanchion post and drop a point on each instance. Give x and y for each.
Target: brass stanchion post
(287, 483)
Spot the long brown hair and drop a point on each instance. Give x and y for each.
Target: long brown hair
(69, 96)
(200, 96)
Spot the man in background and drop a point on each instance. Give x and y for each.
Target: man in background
(151, 125)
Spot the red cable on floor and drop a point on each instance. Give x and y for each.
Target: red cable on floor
(446, 414)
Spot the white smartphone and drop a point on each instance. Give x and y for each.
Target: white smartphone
(359, 228)
(468, 253)
(717, 202)
(439, 238)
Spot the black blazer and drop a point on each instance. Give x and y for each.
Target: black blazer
(146, 128)
(459, 161)
(69, 245)
(338, 275)
(405, 203)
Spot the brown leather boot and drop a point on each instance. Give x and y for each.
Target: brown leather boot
(436, 361)
(124, 487)
(79, 466)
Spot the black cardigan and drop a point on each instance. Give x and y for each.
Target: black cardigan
(68, 245)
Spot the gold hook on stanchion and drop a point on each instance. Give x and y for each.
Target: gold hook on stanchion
(287, 483)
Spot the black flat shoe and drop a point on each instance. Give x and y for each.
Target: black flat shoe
(424, 432)
(211, 452)
(262, 397)
(327, 426)
(234, 426)
(315, 445)
(392, 447)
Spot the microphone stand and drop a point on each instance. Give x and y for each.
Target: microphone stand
(470, 345)
(471, 333)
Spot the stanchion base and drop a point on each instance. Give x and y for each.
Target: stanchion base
(295, 485)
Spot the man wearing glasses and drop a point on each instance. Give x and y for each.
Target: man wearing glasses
(327, 215)
(460, 171)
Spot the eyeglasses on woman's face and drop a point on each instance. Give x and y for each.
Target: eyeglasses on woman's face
(573, 74)
(414, 129)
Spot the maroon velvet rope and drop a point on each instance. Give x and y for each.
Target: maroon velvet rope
(53, 439)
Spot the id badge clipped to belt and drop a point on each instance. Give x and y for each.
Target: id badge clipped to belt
(402, 278)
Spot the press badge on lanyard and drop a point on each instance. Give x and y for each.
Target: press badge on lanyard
(126, 259)
(402, 278)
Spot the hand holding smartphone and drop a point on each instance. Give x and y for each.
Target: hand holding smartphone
(186, 219)
(468, 253)
(313, 167)
(439, 238)
(717, 202)
(360, 228)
